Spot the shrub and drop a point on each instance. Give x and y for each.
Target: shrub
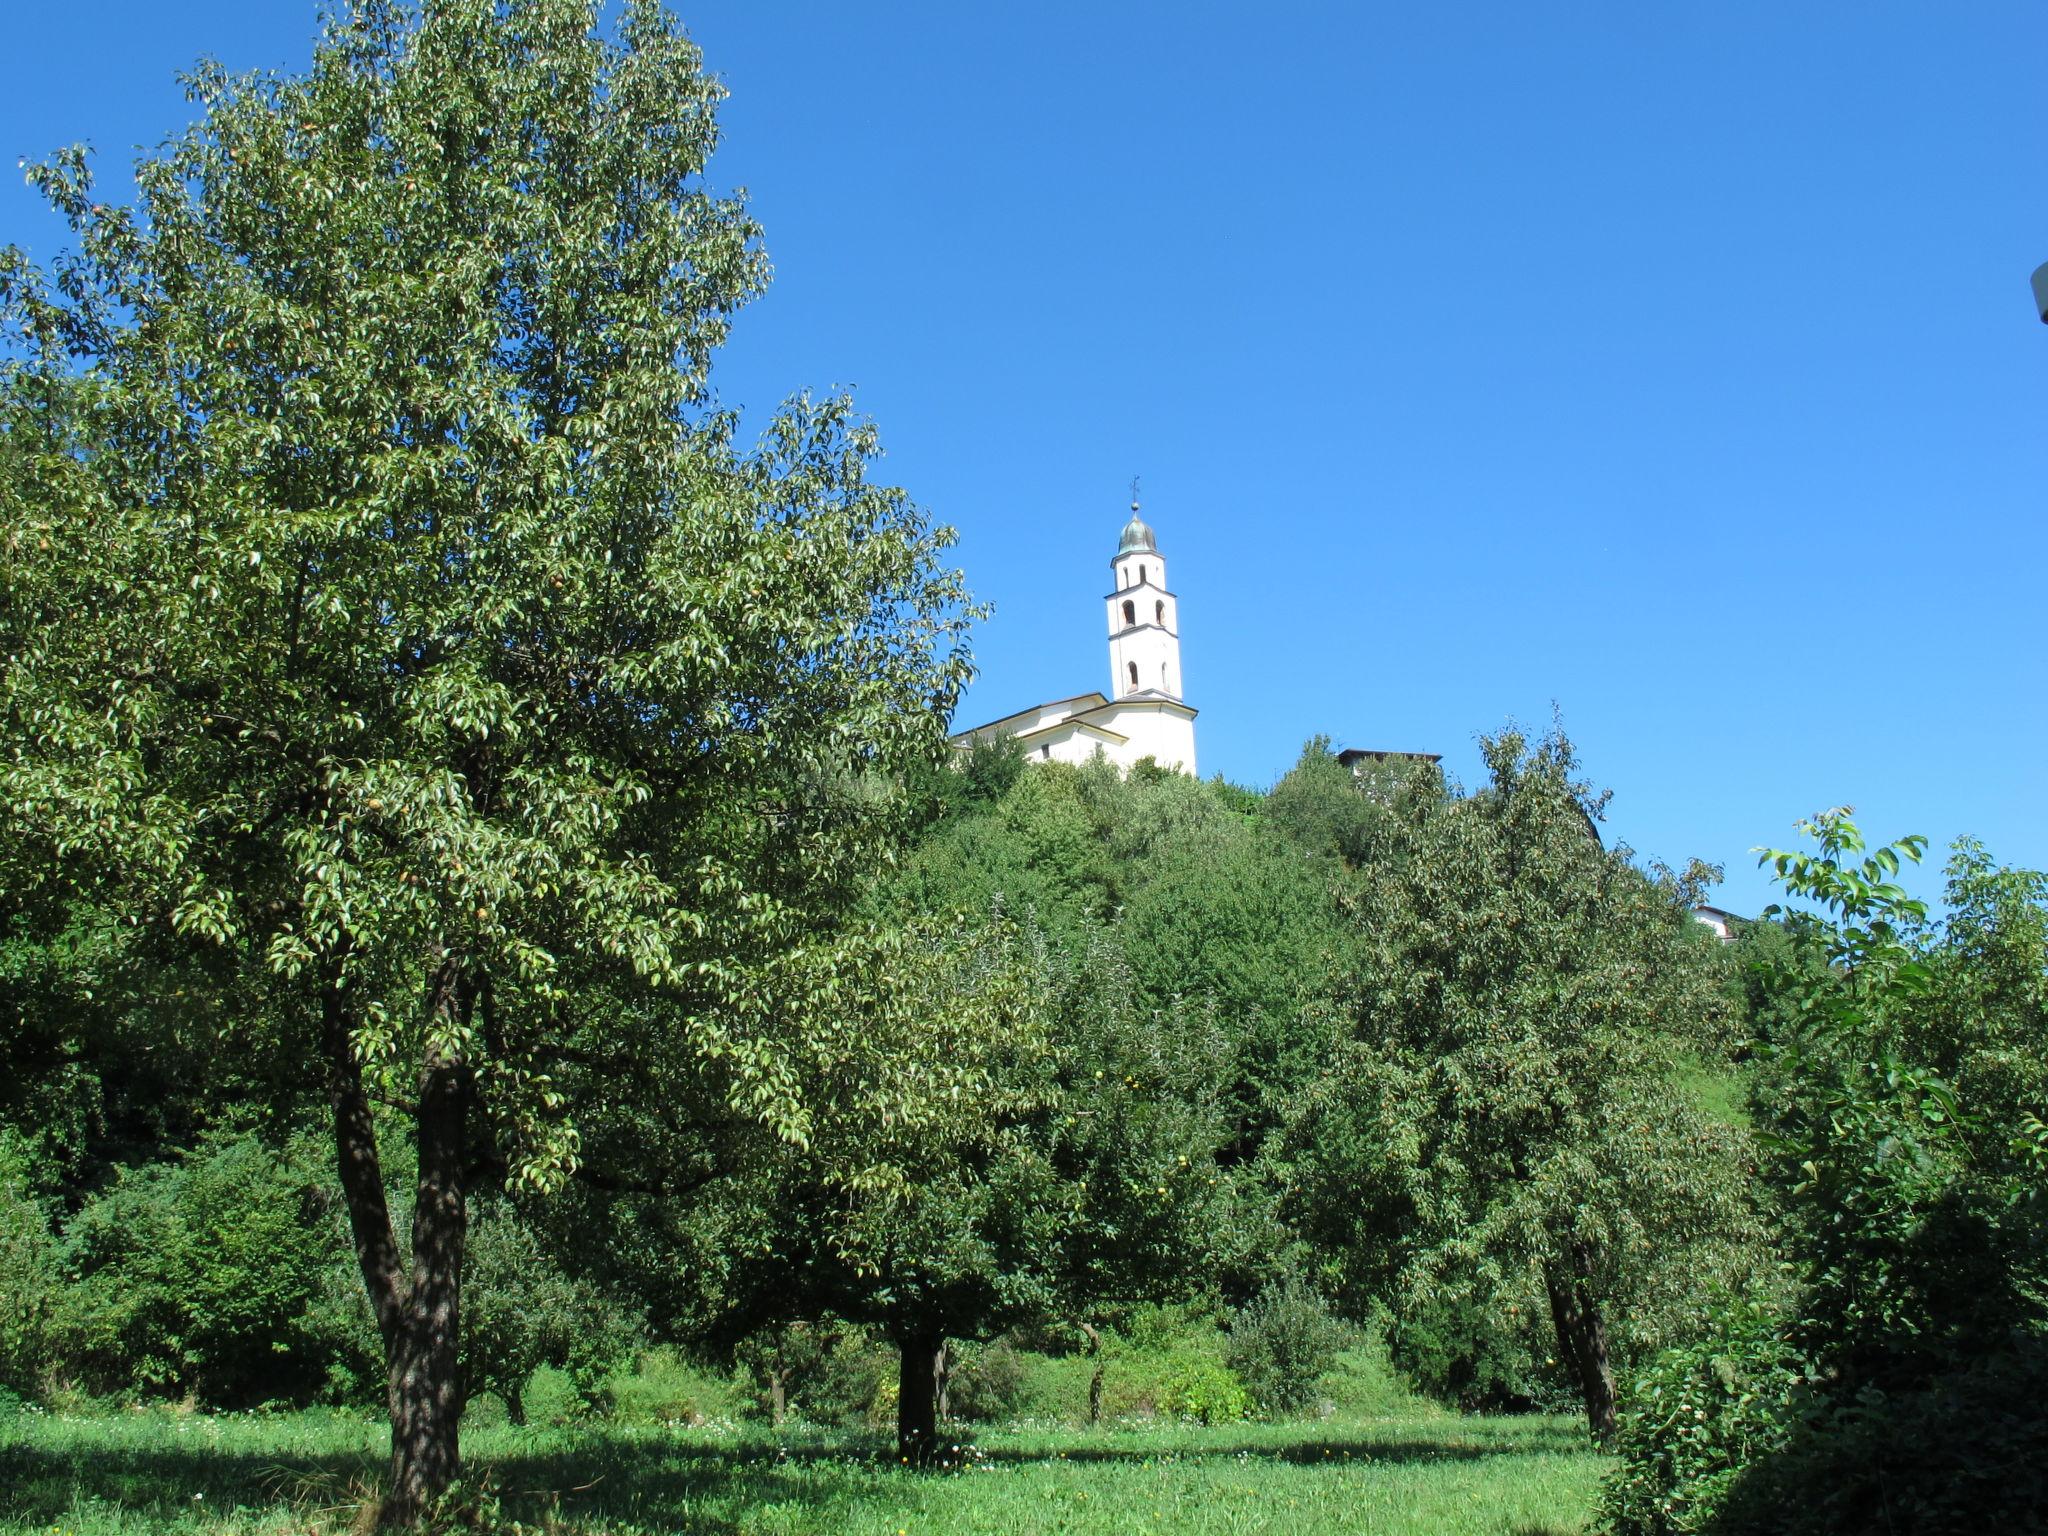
(665, 1388)
(29, 1276)
(199, 1276)
(520, 1312)
(1964, 1456)
(1693, 1419)
(985, 1381)
(1462, 1351)
(1282, 1343)
(854, 1383)
(1204, 1389)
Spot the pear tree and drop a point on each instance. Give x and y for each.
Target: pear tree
(392, 613)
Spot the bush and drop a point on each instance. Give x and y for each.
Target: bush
(1963, 1456)
(1481, 1358)
(985, 1381)
(29, 1275)
(1363, 1383)
(200, 1277)
(664, 1388)
(1204, 1389)
(1693, 1419)
(1282, 1344)
(521, 1312)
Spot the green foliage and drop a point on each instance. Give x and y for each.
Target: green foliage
(30, 1273)
(522, 1312)
(1481, 1354)
(1282, 1343)
(1203, 1389)
(1898, 1384)
(394, 624)
(664, 1388)
(1506, 1110)
(985, 1383)
(1962, 1454)
(1694, 1418)
(200, 1277)
(1916, 1233)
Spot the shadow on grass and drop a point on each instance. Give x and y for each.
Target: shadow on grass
(637, 1479)
(1536, 1438)
(588, 1482)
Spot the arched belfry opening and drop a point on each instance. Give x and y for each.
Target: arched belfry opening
(1130, 612)
(1134, 675)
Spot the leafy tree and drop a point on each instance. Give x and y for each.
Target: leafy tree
(1078, 1172)
(390, 615)
(921, 1218)
(1506, 1106)
(523, 1312)
(1898, 1383)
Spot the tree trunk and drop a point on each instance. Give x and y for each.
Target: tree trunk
(917, 1396)
(418, 1316)
(1582, 1336)
(1095, 1380)
(942, 1376)
(778, 1395)
(515, 1402)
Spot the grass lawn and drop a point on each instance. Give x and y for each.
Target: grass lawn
(310, 1472)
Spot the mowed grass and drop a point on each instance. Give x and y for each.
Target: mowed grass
(313, 1472)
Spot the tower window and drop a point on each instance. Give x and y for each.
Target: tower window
(1130, 612)
(1134, 673)
(1159, 611)
(1141, 575)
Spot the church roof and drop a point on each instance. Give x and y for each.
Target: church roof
(1088, 701)
(1137, 536)
(1151, 698)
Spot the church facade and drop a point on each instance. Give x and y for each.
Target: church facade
(1143, 714)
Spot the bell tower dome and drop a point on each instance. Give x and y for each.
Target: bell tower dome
(1144, 618)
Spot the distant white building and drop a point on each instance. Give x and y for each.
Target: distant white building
(1143, 714)
(1721, 924)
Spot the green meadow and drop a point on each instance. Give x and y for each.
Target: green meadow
(165, 1471)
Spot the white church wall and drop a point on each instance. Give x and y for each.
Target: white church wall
(1142, 716)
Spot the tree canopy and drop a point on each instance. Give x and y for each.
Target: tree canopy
(391, 614)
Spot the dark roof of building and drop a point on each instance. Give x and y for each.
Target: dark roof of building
(1137, 536)
(1351, 756)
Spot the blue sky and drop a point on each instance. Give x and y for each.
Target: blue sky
(1670, 365)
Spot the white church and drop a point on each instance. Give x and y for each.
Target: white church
(1143, 714)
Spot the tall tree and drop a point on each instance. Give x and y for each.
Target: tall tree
(389, 611)
(1509, 1101)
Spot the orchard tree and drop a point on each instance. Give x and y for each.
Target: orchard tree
(389, 611)
(1080, 1171)
(1510, 1103)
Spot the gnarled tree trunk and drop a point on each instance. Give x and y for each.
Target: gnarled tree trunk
(1094, 1352)
(1582, 1334)
(418, 1314)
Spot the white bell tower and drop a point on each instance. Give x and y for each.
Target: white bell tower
(1144, 618)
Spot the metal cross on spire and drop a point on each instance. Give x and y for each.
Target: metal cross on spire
(1134, 493)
